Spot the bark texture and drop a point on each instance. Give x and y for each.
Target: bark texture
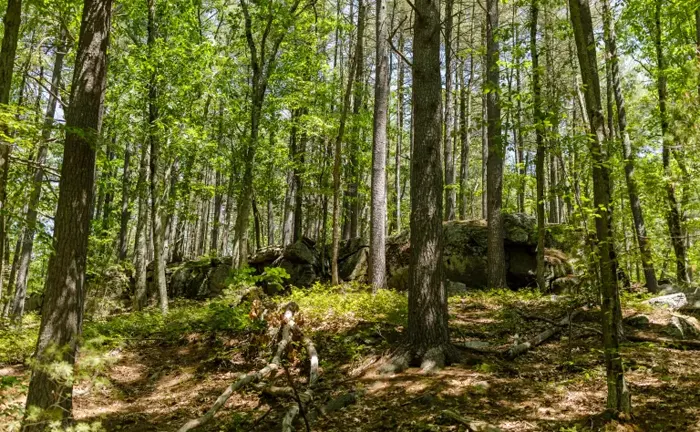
(62, 312)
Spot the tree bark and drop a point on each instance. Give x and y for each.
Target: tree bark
(62, 312)
(156, 180)
(539, 138)
(494, 185)
(126, 198)
(218, 188)
(399, 139)
(141, 236)
(627, 154)
(337, 158)
(427, 331)
(450, 191)
(618, 393)
(377, 244)
(8, 51)
(25, 256)
(674, 214)
(465, 120)
(299, 157)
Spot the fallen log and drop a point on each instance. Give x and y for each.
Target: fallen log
(538, 339)
(684, 343)
(288, 326)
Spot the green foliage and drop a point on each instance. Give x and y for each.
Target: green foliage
(322, 302)
(17, 343)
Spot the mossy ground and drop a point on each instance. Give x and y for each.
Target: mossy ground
(140, 372)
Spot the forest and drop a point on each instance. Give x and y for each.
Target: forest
(349, 215)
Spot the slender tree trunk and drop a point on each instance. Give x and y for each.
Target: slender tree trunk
(399, 138)
(270, 223)
(299, 186)
(618, 393)
(126, 198)
(141, 235)
(62, 312)
(290, 195)
(465, 120)
(494, 174)
(484, 143)
(674, 215)
(256, 225)
(218, 188)
(13, 275)
(157, 228)
(337, 158)
(539, 138)
(377, 244)
(37, 181)
(450, 191)
(11, 23)
(627, 154)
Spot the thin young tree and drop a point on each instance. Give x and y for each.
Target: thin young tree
(450, 191)
(618, 393)
(674, 214)
(627, 154)
(377, 245)
(494, 165)
(539, 138)
(156, 179)
(50, 394)
(25, 256)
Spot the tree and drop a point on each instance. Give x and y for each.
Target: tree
(377, 249)
(50, 396)
(494, 170)
(618, 393)
(11, 23)
(539, 125)
(674, 214)
(156, 179)
(427, 333)
(450, 191)
(627, 154)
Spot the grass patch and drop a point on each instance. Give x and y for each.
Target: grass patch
(353, 302)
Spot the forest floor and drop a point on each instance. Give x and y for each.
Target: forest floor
(142, 373)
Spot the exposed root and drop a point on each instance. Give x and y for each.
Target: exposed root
(430, 359)
(288, 420)
(252, 377)
(538, 339)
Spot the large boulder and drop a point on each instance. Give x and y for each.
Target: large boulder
(465, 254)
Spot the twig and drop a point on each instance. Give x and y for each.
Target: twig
(297, 398)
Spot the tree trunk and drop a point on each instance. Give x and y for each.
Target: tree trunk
(257, 225)
(13, 275)
(427, 331)
(465, 120)
(627, 155)
(290, 195)
(674, 215)
(618, 393)
(125, 212)
(399, 139)
(37, 181)
(450, 191)
(141, 237)
(494, 184)
(337, 158)
(270, 223)
(157, 226)
(377, 244)
(11, 23)
(299, 186)
(539, 138)
(218, 188)
(62, 312)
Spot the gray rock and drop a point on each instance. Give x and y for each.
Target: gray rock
(671, 301)
(637, 321)
(683, 327)
(455, 288)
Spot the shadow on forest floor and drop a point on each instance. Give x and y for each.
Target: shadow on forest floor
(559, 386)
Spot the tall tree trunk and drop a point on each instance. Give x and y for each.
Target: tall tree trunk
(11, 23)
(627, 154)
(13, 275)
(62, 312)
(37, 181)
(126, 198)
(494, 174)
(141, 235)
(290, 195)
(484, 141)
(465, 120)
(450, 191)
(399, 139)
(337, 158)
(618, 393)
(427, 331)
(674, 214)
(157, 226)
(299, 186)
(539, 138)
(218, 188)
(257, 225)
(270, 223)
(377, 243)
